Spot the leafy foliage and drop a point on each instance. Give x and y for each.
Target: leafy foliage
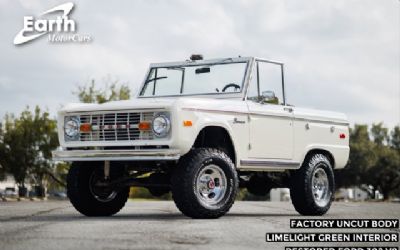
(2, 168)
(58, 177)
(26, 145)
(374, 160)
(395, 139)
(379, 134)
(112, 91)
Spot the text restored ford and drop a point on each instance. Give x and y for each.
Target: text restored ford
(202, 129)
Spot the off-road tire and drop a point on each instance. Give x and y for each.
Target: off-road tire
(81, 197)
(301, 185)
(184, 183)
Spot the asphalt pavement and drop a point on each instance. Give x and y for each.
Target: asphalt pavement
(159, 225)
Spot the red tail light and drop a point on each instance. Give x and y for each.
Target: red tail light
(342, 136)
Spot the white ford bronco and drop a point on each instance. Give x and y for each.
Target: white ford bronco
(202, 129)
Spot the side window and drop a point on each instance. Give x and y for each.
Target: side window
(270, 82)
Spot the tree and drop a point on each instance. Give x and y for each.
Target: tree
(14, 156)
(58, 177)
(2, 169)
(380, 134)
(27, 144)
(361, 158)
(45, 140)
(2, 173)
(395, 138)
(374, 160)
(395, 145)
(385, 174)
(112, 91)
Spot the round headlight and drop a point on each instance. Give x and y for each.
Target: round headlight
(161, 125)
(71, 127)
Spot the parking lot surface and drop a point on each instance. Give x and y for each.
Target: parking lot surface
(159, 225)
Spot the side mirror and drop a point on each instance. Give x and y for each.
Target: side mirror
(269, 97)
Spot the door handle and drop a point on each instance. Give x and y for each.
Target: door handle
(288, 109)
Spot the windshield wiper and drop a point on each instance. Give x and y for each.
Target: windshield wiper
(155, 79)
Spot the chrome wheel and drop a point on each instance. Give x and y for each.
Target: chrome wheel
(211, 185)
(100, 193)
(320, 187)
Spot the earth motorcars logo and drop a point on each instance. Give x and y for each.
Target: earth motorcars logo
(60, 28)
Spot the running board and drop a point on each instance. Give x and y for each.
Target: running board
(269, 165)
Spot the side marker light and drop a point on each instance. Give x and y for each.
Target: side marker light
(187, 123)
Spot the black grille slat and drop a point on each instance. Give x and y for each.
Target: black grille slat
(116, 127)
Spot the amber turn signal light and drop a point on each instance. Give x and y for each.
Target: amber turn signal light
(187, 123)
(144, 125)
(85, 127)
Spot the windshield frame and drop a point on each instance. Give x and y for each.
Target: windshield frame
(239, 94)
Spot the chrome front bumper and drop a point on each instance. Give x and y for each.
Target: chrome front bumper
(116, 155)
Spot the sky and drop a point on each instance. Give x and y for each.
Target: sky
(340, 55)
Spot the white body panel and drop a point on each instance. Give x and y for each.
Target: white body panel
(279, 134)
(271, 131)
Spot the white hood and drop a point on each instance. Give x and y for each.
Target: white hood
(144, 103)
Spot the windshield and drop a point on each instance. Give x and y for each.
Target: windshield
(195, 79)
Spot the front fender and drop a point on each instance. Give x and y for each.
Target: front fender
(186, 135)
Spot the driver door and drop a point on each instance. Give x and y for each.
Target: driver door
(271, 121)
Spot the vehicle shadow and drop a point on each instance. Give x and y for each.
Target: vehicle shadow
(156, 216)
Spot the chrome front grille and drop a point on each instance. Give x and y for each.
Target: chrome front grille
(115, 126)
